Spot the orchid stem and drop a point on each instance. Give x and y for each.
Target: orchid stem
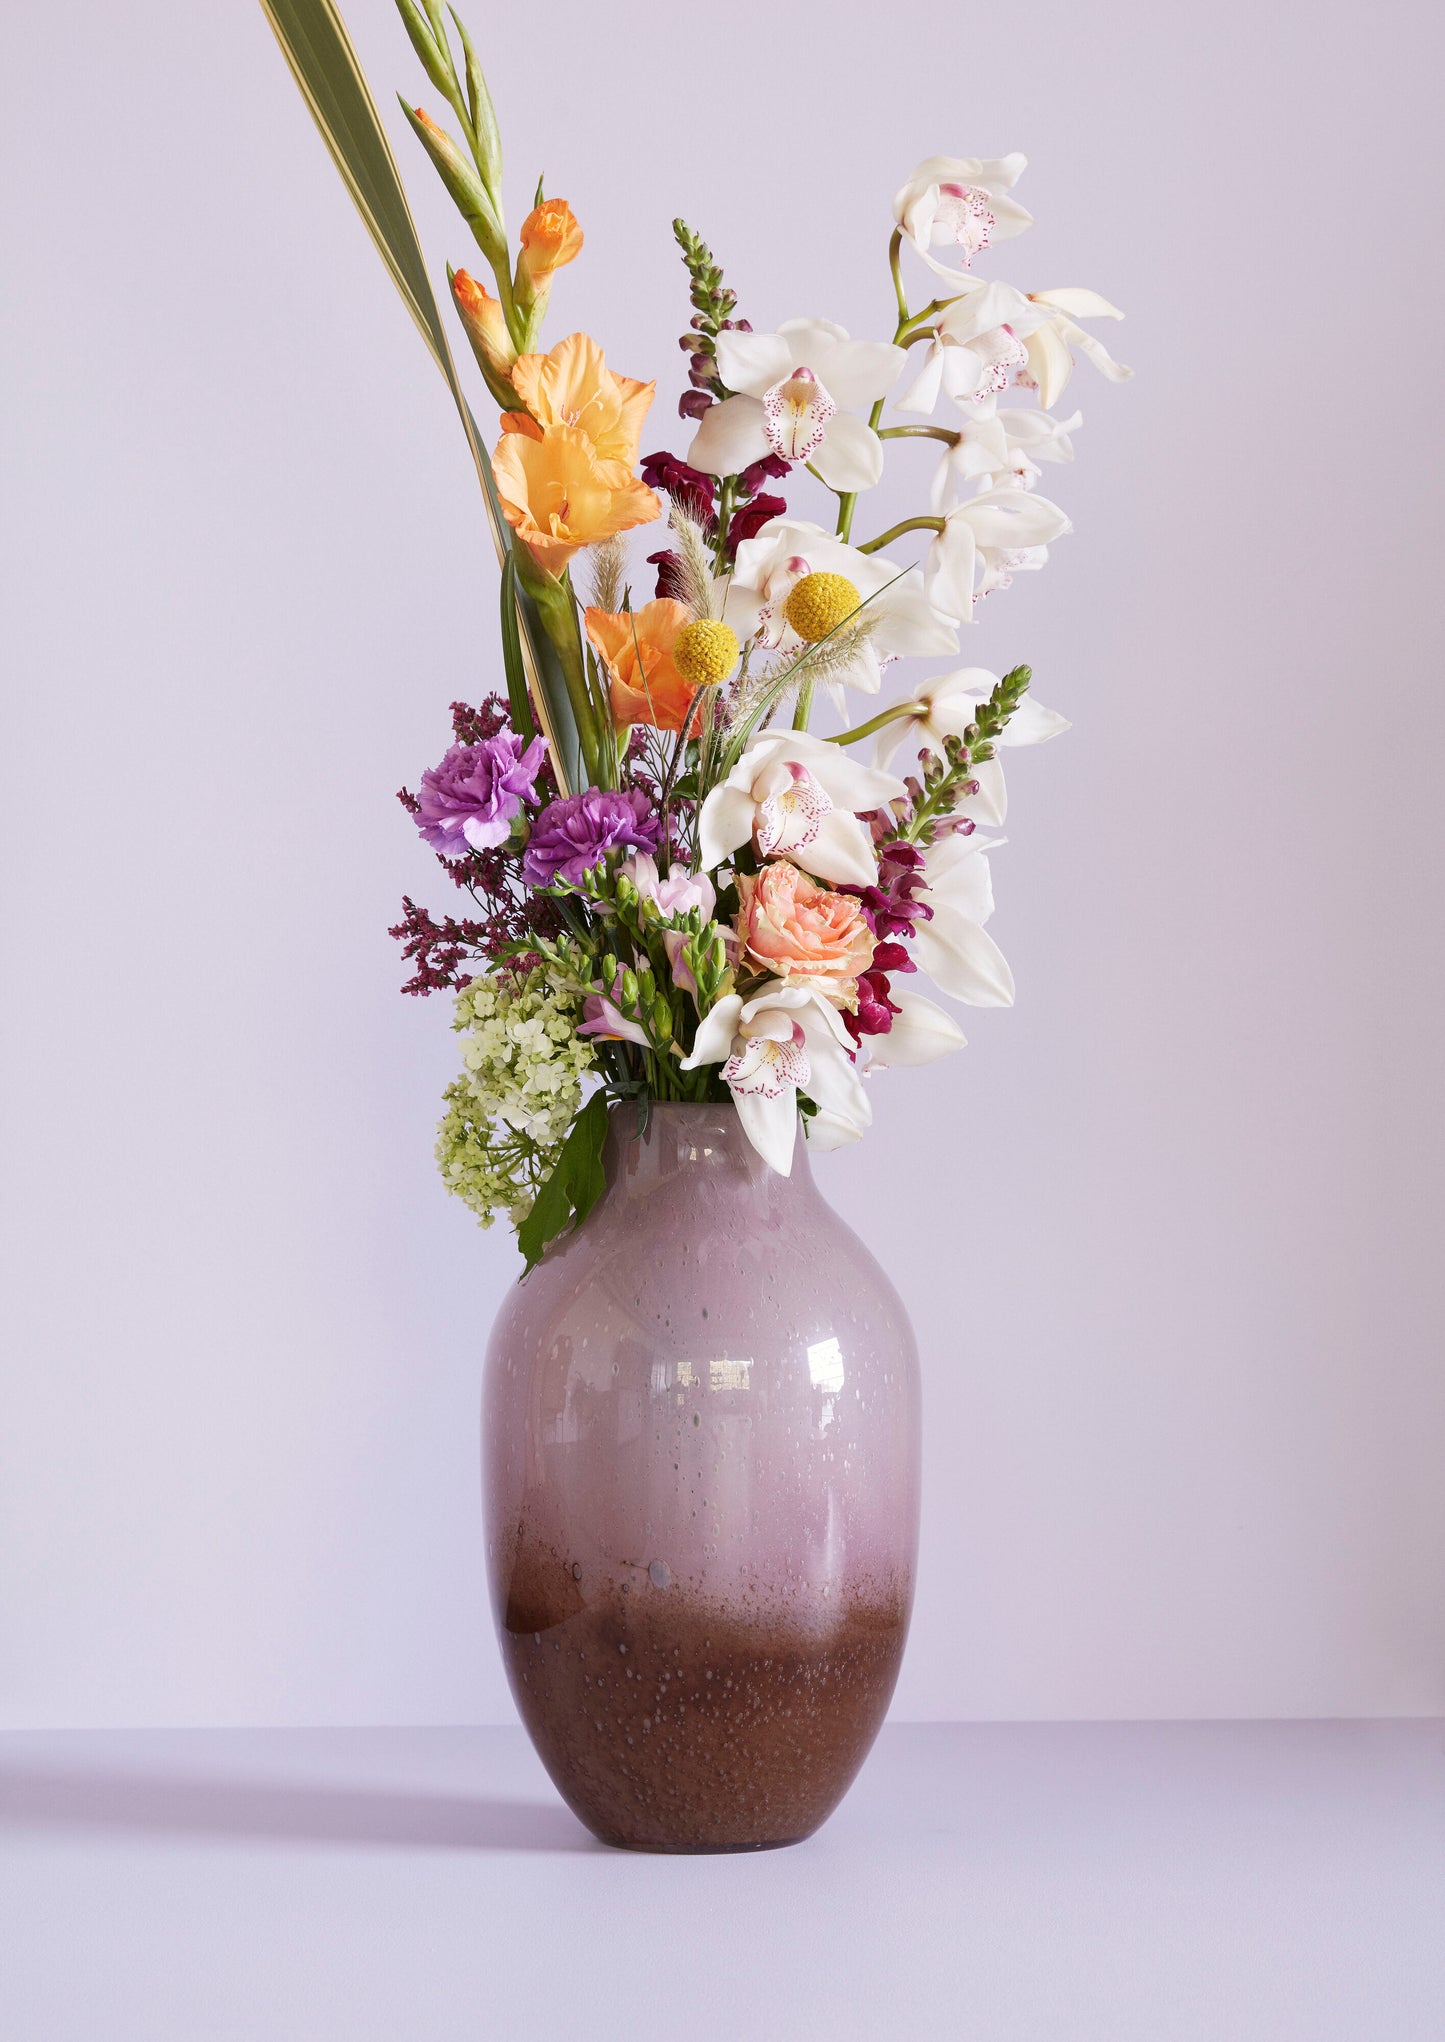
(918, 432)
(897, 531)
(875, 723)
(848, 500)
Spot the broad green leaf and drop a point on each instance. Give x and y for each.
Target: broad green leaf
(315, 43)
(574, 1187)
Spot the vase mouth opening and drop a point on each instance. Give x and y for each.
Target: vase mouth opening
(659, 1136)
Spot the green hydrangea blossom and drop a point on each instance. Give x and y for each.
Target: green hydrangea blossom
(509, 1111)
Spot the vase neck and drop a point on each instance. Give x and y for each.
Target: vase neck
(646, 1150)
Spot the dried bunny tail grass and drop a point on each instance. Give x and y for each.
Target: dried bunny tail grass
(607, 571)
(761, 692)
(695, 583)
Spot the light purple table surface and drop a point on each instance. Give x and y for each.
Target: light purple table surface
(1028, 1883)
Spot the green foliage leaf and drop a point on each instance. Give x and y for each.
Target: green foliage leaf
(518, 701)
(315, 44)
(574, 1187)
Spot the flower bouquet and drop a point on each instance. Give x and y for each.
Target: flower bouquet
(678, 892)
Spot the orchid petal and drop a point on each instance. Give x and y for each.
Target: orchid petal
(1079, 304)
(1012, 519)
(753, 362)
(771, 1125)
(828, 1131)
(990, 804)
(841, 853)
(921, 396)
(730, 436)
(962, 959)
(1050, 364)
(1094, 351)
(725, 824)
(958, 875)
(851, 456)
(948, 569)
(859, 372)
(922, 1031)
(713, 1043)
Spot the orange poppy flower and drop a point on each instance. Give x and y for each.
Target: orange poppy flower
(636, 649)
(558, 497)
(572, 385)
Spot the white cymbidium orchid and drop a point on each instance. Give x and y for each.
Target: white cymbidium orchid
(962, 203)
(794, 389)
(1001, 450)
(954, 947)
(948, 705)
(993, 333)
(921, 1032)
(782, 1040)
(1002, 521)
(794, 796)
(900, 618)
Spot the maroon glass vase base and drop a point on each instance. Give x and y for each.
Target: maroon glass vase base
(701, 1444)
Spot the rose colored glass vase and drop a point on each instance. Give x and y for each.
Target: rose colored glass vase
(701, 1446)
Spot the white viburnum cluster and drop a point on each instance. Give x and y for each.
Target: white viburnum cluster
(518, 1093)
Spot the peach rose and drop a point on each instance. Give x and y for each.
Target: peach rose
(802, 933)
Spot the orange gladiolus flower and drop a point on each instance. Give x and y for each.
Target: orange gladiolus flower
(573, 386)
(558, 497)
(636, 650)
(550, 238)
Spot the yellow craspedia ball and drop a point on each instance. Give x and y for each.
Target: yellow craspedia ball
(819, 603)
(705, 653)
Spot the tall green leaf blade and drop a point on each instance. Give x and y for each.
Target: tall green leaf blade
(517, 699)
(316, 46)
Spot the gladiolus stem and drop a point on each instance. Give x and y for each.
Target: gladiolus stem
(557, 609)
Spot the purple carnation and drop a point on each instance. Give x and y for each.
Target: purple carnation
(468, 801)
(569, 837)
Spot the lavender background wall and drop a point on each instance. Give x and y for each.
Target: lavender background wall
(1170, 1229)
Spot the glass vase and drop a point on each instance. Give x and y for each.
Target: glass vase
(701, 1456)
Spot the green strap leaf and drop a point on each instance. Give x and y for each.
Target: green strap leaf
(315, 44)
(518, 703)
(577, 1181)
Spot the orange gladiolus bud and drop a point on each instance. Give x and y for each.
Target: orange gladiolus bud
(636, 649)
(550, 237)
(485, 324)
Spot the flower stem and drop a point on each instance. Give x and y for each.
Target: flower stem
(874, 723)
(918, 432)
(897, 531)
